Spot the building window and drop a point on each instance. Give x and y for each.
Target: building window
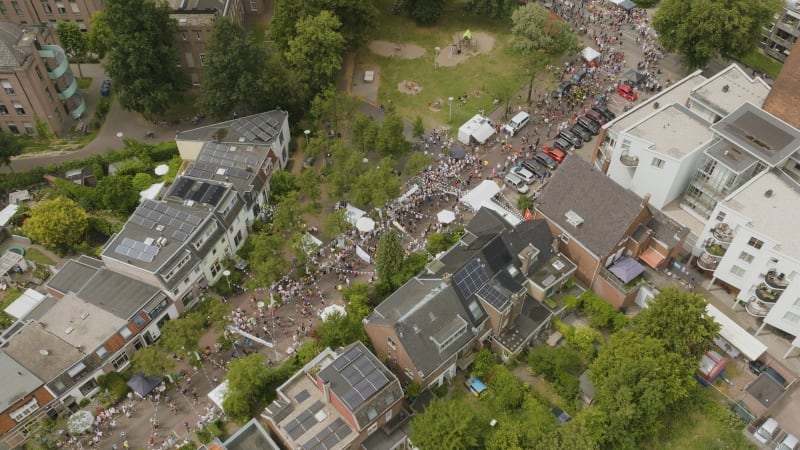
(12, 127)
(202, 59)
(389, 415)
(120, 361)
(391, 343)
(791, 317)
(238, 238)
(746, 257)
(178, 61)
(29, 130)
(253, 5)
(565, 238)
(73, 4)
(215, 268)
(125, 332)
(88, 387)
(183, 35)
(755, 243)
(60, 7)
(38, 73)
(18, 108)
(158, 308)
(19, 414)
(738, 271)
(101, 352)
(7, 87)
(657, 163)
(3, 110)
(372, 428)
(197, 35)
(17, 9)
(49, 95)
(720, 216)
(46, 7)
(3, 9)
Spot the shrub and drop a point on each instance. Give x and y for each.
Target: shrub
(209, 432)
(600, 313)
(483, 364)
(116, 385)
(559, 366)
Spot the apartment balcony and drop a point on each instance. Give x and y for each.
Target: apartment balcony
(80, 107)
(627, 160)
(711, 256)
(766, 294)
(757, 308)
(723, 233)
(57, 53)
(776, 281)
(69, 91)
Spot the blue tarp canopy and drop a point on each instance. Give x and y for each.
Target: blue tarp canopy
(143, 385)
(626, 269)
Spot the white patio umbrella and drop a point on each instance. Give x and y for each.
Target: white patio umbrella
(364, 224)
(80, 422)
(325, 313)
(446, 216)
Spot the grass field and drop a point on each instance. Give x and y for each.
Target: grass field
(763, 63)
(485, 77)
(38, 257)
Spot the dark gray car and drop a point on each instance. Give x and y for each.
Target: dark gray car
(575, 140)
(578, 131)
(589, 125)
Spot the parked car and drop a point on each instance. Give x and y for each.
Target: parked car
(578, 76)
(788, 443)
(517, 122)
(585, 135)
(602, 109)
(105, 88)
(759, 367)
(573, 139)
(596, 117)
(775, 376)
(517, 182)
(590, 126)
(554, 153)
(562, 89)
(475, 386)
(546, 161)
(767, 431)
(538, 169)
(562, 416)
(562, 144)
(627, 92)
(524, 173)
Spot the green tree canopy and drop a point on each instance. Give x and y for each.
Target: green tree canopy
(680, 320)
(181, 336)
(74, 41)
(247, 378)
(389, 255)
(142, 181)
(10, 146)
(309, 185)
(335, 224)
(152, 360)
(141, 54)
(279, 86)
(390, 140)
(496, 9)
(339, 330)
(58, 224)
(701, 30)
(364, 132)
(377, 185)
(233, 64)
(281, 183)
(118, 194)
(425, 12)
(448, 424)
(315, 52)
(266, 258)
(99, 35)
(358, 19)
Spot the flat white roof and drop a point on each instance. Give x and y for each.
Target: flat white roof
(771, 205)
(7, 213)
(481, 193)
(79, 322)
(726, 91)
(748, 344)
(673, 131)
(26, 303)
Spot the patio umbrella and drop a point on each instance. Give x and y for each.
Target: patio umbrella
(143, 385)
(364, 224)
(80, 422)
(446, 216)
(332, 309)
(458, 152)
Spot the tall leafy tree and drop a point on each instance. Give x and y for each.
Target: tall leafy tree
(309, 184)
(118, 194)
(364, 132)
(390, 140)
(448, 424)
(680, 320)
(389, 256)
(152, 360)
(496, 9)
(10, 146)
(74, 41)
(233, 64)
(425, 12)
(334, 108)
(266, 258)
(701, 30)
(248, 379)
(358, 18)
(339, 330)
(335, 224)
(315, 52)
(99, 34)
(182, 335)
(279, 86)
(141, 54)
(540, 38)
(377, 185)
(58, 224)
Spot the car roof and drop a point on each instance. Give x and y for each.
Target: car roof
(790, 441)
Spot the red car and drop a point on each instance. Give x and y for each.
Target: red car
(554, 153)
(627, 92)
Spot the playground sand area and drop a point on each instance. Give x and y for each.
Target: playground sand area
(464, 46)
(392, 49)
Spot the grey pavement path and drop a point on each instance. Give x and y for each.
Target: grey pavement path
(130, 124)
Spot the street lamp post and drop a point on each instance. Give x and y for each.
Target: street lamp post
(436, 51)
(307, 133)
(450, 101)
(227, 274)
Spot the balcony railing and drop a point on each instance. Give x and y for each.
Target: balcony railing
(722, 232)
(627, 160)
(767, 294)
(708, 262)
(757, 308)
(776, 281)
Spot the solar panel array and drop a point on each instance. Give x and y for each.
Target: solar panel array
(302, 396)
(215, 156)
(362, 375)
(152, 213)
(198, 191)
(137, 250)
(328, 437)
(493, 296)
(303, 422)
(252, 130)
(470, 278)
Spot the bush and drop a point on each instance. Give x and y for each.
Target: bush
(209, 432)
(559, 366)
(116, 385)
(600, 313)
(483, 364)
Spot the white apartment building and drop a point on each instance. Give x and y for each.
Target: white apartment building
(751, 245)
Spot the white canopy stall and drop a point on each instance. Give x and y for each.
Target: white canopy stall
(736, 336)
(477, 129)
(590, 54)
(481, 193)
(217, 395)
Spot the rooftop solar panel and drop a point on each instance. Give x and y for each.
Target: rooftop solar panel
(470, 278)
(302, 396)
(493, 296)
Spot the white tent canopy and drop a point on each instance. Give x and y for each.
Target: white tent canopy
(7, 213)
(26, 302)
(364, 224)
(217, 395)
(737, 336)
(353, 214)
(331, 309)
(479, 194)
(477, 128)
(510, 218)
(590, 54)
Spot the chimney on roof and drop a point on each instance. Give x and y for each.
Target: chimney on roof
(646, 200)
(555, 245)
(326, 391)
(525, 256)
(447, 277)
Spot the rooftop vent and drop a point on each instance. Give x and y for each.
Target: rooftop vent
(769, 193)
(84, 315)
(159, 227)
(573, 218)
(43, 352)
(726, 88)
(656, 105)
(69, 330)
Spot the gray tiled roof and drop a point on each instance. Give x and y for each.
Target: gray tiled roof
(607, 209)
(10, 34)
(17, 381)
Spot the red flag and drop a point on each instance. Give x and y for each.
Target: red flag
(528, 215)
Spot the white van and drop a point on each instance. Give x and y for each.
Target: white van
(517, 122)
(766, 431)
(517, 182)
(788, 443)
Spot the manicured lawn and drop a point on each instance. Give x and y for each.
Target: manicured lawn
(38, 257)
(84, 82)
(700, 431)
(762, 63)
(484, 77)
